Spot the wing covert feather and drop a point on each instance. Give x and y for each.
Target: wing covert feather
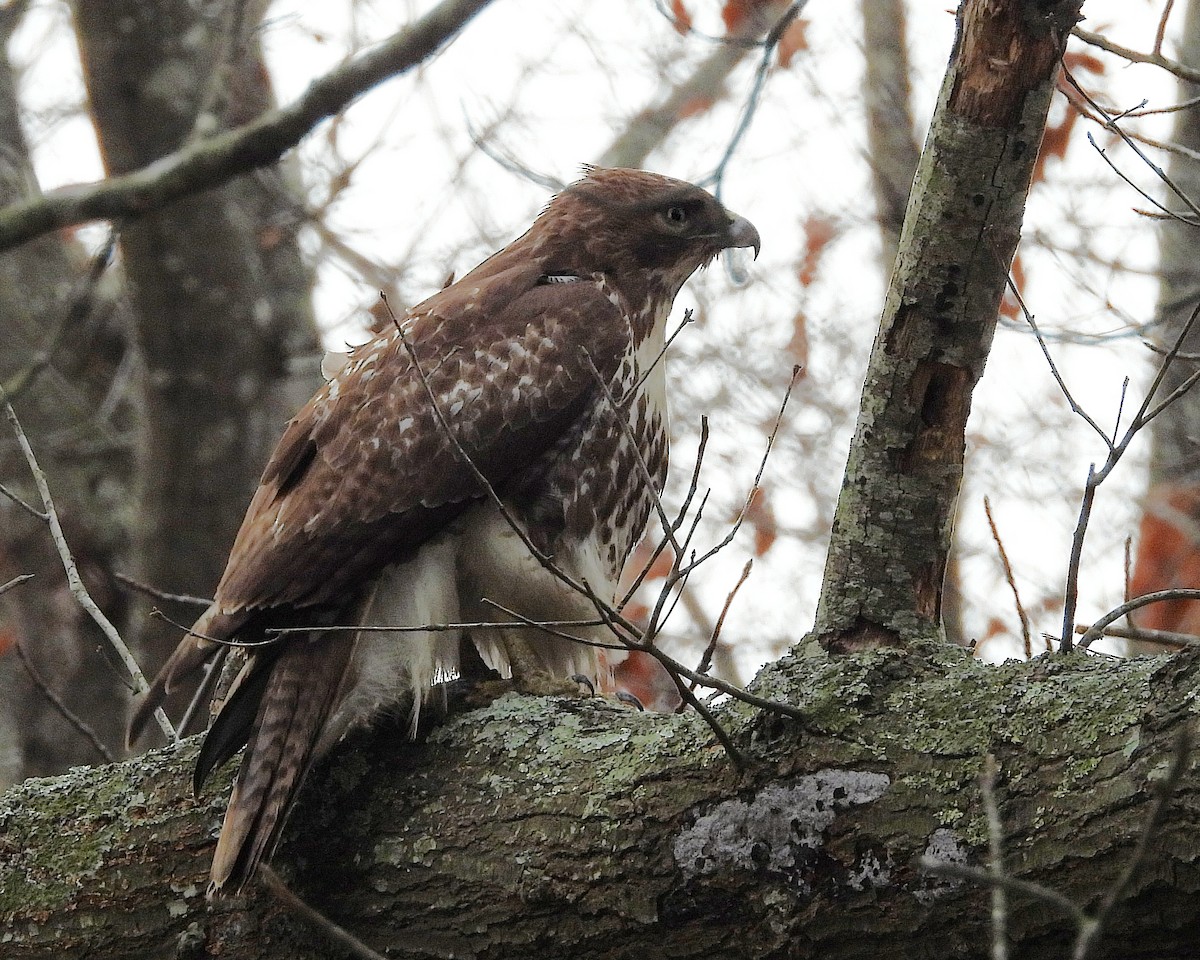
(365, 473)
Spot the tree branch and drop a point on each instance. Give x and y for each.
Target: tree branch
(212, 161)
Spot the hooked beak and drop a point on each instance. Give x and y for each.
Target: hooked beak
(741, 233)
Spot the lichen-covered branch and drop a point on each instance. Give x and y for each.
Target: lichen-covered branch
(577, 829)
(206, 163)
(892, 529)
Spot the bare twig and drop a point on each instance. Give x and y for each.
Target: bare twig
(1162, 27)
(1012, 581)
(706, 660)
(15, 582)
(149, 591)
(987, 786)
(66, 712)
(68, 561)
(210, 162)
(754, 487)
(1091, 930)
(1182, 71)
(333, 932)
(1146, 412)
(1168, 638)
(1165, 212)
(1094, 632)
(774, 35)
(1035, 891)
(1110, 123)
(28, 508)
(1062, 384)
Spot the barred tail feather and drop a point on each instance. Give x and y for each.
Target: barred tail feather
(297, 697)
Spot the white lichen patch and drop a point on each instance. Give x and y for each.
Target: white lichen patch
(779, 827)
(943, 847)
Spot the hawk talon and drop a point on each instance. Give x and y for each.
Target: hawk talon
(585, 681)
(626, 697)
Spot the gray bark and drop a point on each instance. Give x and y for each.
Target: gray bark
(1175, 450)
(1171, 502)
(892, 529)
(66, 343)
(216, 282)
(577, 829)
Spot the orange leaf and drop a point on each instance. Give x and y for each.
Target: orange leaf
(792, 41)
(683, 19)
(694, 106)
(818, 231)
(761, 515)
(1009, 307)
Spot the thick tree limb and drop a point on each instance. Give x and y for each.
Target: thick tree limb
(206, 163)
(561, 828)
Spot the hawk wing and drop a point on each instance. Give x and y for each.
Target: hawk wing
(365, 473)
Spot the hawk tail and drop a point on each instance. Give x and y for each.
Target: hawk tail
(296, 693)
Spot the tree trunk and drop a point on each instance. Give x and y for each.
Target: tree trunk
(66, 357)
(216, 280)
(1169, 539)
(892, 529)
(581, 830)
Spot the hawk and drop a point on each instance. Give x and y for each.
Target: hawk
(535, 380)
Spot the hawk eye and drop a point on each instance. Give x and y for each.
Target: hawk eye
(675, 217)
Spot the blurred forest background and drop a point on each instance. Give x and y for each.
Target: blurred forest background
(153, 359)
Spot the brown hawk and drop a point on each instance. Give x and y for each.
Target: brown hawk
(367, 513)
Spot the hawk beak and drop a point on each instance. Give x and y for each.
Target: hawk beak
(741, 233)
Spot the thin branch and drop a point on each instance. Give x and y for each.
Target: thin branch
(1058, 378)
(774, 35)
(56, 701)
(1091, 931)
(1165, 212)
(1096, 477)
(1162, 27)
(1182, 71)
(28, 508)
(706, 660)
(15, 582)
(987, 786)
(144, 588)
(1110, 123)
(1012, 581)
(1168, 638)
(74, 581)
(333, 932)
(1035, 891)
(1093, 633)
(754, 487)
(213, 161)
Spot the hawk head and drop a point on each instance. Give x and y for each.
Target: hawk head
(646, 232)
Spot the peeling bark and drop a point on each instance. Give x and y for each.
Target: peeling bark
(892, 529)
(577, 829)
